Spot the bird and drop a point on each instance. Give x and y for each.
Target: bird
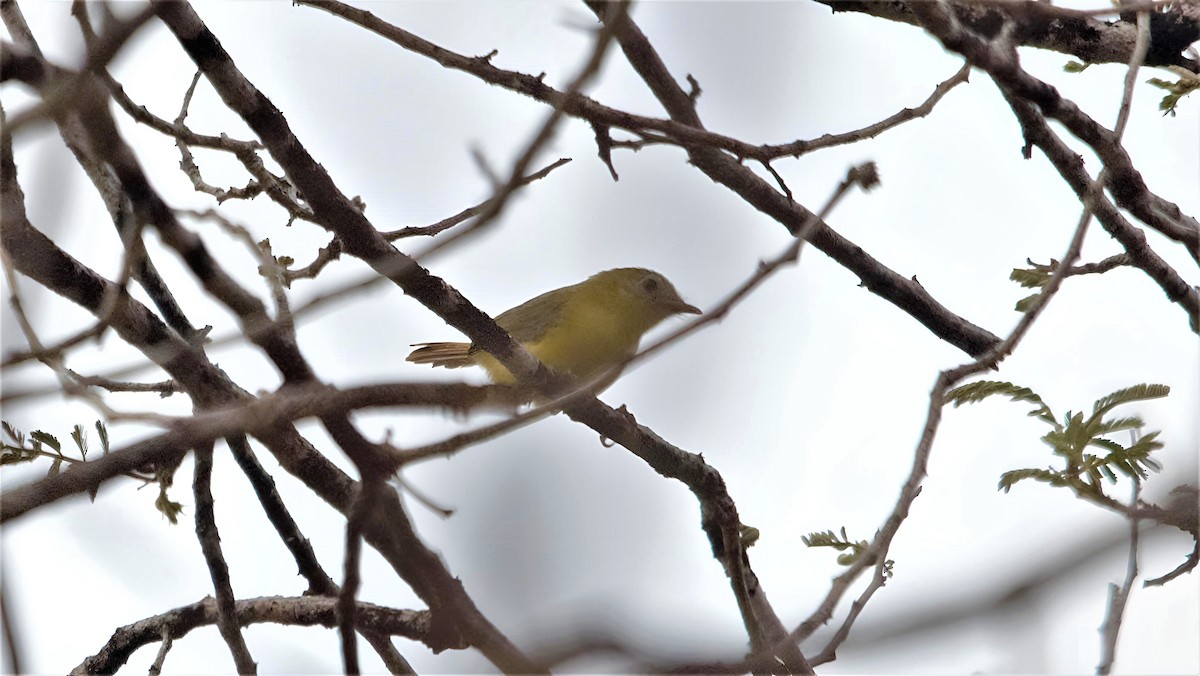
(584, 329)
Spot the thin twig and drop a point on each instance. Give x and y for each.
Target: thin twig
(12, 643)
(863, 176)
(493, 207)
(163, 388)
(369, 490)
(876, 553)
(281, 519)
(260, 416)
(458, 442)
(999, 60)
(67, 94)
(948, 379)
(53, 361)
(334, 249)
(1140, 47)
(163, 649)
(470, 212)
(829, 652)
(218, 570)
(55, 350)
(1110, 263)
(798, 148)
(1119, 596)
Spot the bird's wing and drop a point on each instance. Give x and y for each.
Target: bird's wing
(529, 321)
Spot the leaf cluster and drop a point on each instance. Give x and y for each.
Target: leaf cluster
(1073, 437)
(1175, 91)
(851, 550)
(17, 448)
(1036, 276)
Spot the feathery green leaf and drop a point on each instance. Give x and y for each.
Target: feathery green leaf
(102, 430)
(1026, 303)
(13, 433)
(46, 438)
(1096, 426)
(79, 436)
(1009, 479)
(1140, 392)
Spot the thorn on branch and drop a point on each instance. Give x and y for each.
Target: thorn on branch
(779, 180)
(487, 58)
(694, 91)
(604, 145)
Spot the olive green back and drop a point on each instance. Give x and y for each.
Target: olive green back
(529, 321)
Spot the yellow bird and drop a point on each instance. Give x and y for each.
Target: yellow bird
(583, 329)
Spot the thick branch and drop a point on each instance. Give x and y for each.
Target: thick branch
(261, 417)
(333, 210)
(1070, 166)
(1032, 101)
(1000, 60)
(388, 531)
(304, 611)
(1045, 26)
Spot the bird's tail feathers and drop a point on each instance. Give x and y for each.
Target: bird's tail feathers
(449, 355)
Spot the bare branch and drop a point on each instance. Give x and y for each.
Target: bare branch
(470, 212)
(218, 570)
(163, 649)
(1046, 26)
(1110, 263)
(302, 611)
(12, 643)
(797, 148)
(57, 83)
(1118, 596)
(347, 607)
(332, 209)
(1000, 60)
(876, 554)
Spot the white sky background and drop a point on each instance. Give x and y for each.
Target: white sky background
(809, 398)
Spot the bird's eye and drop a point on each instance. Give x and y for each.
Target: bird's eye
(650, 285)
